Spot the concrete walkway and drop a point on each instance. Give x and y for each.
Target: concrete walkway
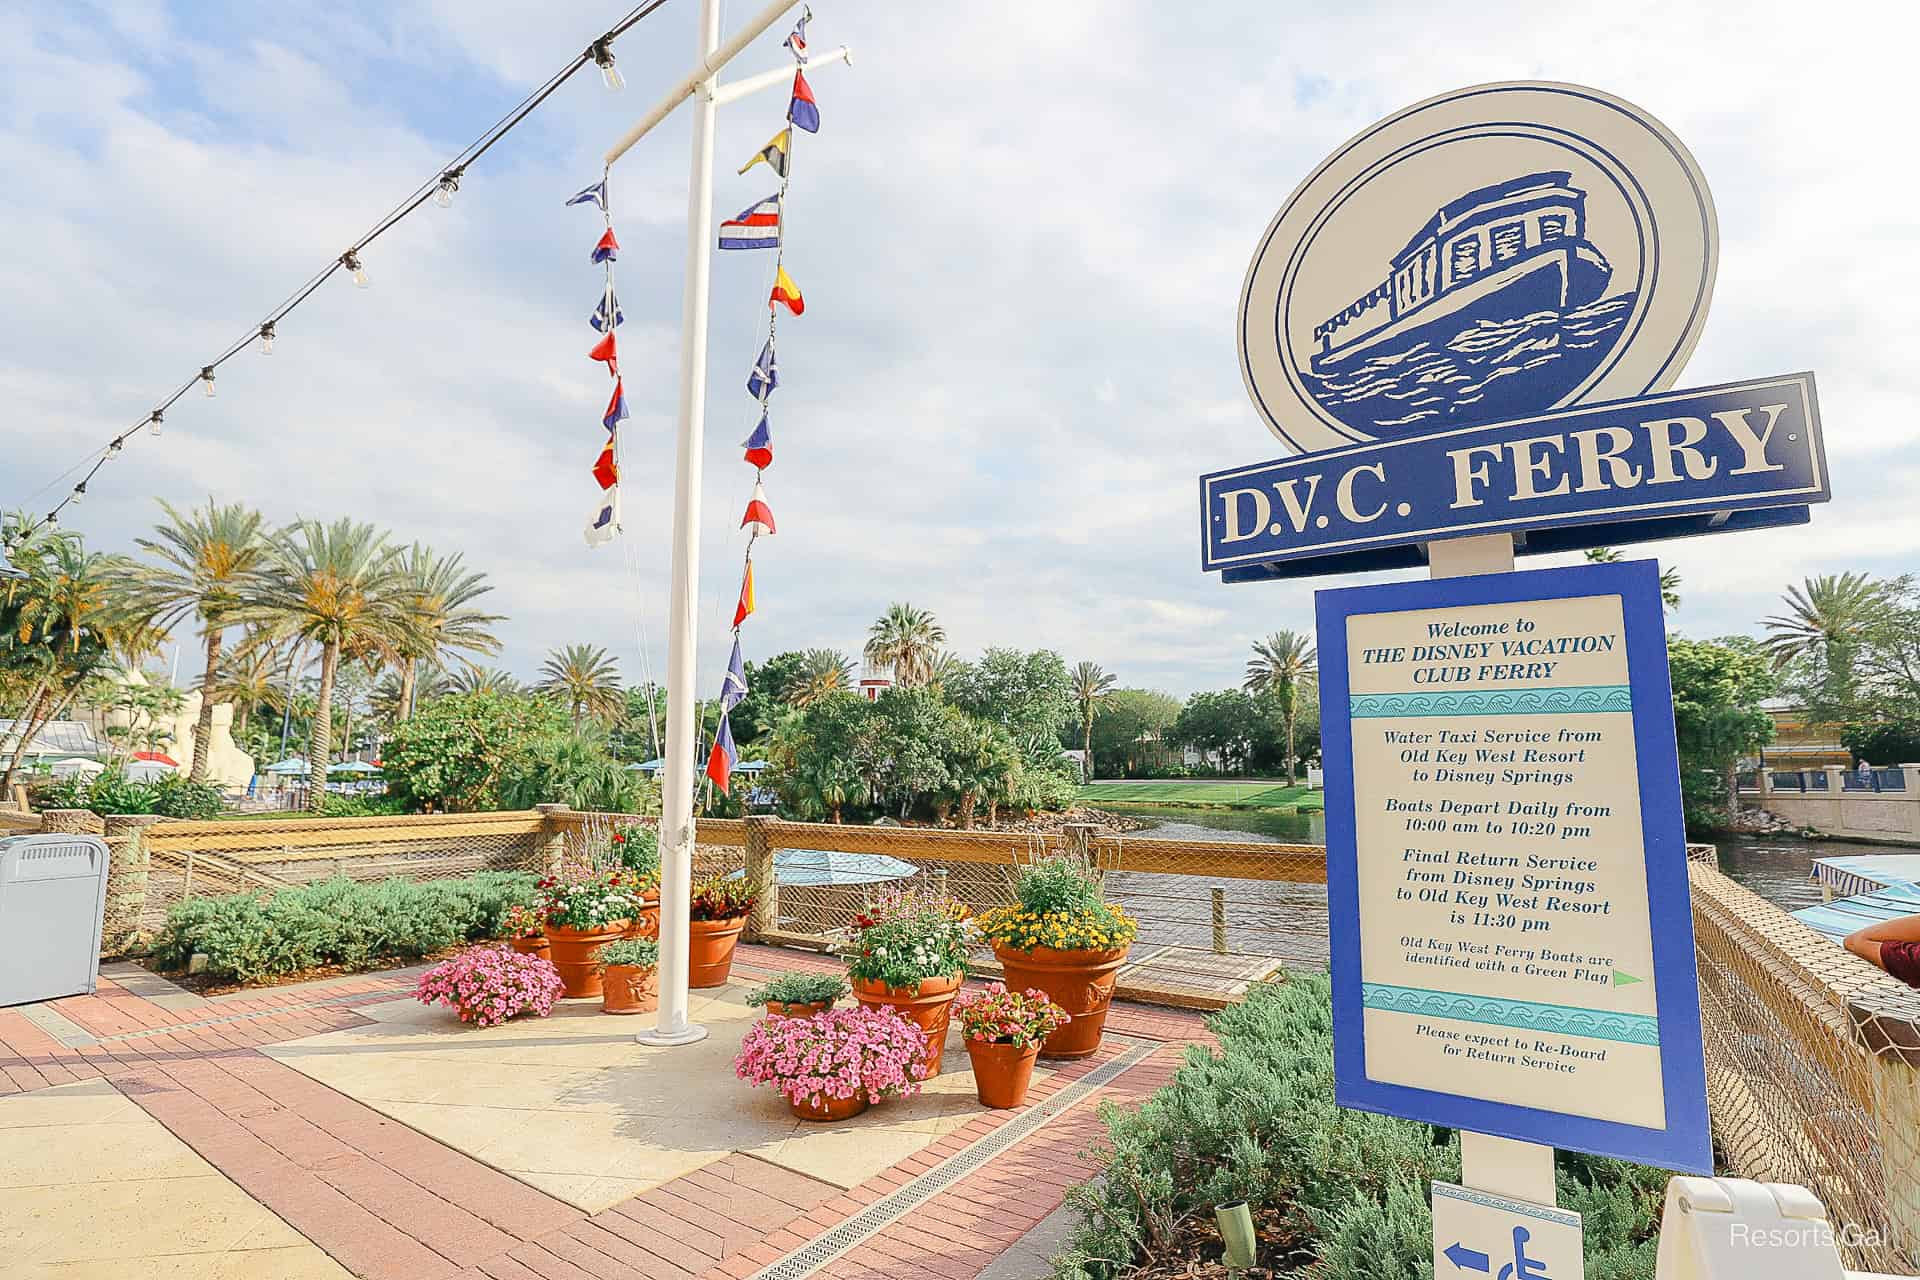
(340, 1128)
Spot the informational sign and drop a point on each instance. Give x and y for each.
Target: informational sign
(1477, 1233)
(1506, 861)
(1492, 253)
(1750, 448)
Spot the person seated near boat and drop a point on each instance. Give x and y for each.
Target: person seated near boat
(1894, 945)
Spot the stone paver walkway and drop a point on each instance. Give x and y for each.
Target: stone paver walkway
(278, 1150)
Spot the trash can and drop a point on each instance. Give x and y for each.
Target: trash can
(53, 892)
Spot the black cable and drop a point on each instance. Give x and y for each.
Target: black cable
(419, 196)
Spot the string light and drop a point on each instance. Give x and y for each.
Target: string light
(206, 379)
(153, 424)
(603, 58)
(351, 261)
(113, 447)
(79, 492)
(266, 338)
(449, 183)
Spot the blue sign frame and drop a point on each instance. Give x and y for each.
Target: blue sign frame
(1685, 1144)
(1708, 460)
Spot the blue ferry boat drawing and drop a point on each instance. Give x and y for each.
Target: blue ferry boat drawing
(1516, 248)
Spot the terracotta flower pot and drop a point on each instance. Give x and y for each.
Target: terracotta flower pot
(1001, 1072)
(1081, 982)
(710, 950)
(647, 923)
(927, 1007)
(576, 954)
(830, 1108)
(630, 988)
(535, 946)
(777, 1010)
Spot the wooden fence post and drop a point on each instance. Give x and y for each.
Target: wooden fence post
(1080, 839)
(765, 915)
(1889, 1030)
(553, 837)
(1220, 919)
(126, 880)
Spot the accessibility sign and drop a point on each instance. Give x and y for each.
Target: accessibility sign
(1477, 1233)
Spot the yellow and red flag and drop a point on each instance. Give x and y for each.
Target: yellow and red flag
(745, 607)
(787, 292)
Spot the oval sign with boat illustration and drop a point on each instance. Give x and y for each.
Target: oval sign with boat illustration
(1491, 253)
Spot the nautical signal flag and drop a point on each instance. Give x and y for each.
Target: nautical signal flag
(759, 517)
(605, 470)
(744, 609)
(733, 685)
(797, 42)
(759, 445)
(754, 228)
(604, 520)
(786, 291)
(616, 408)
(803, 112)
(766, 374)
(774, 154)
(723, 757)
(609, 307)
(606, 349)
(595, 194)
(608, 250)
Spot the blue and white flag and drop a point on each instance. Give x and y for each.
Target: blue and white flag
(604, 520)
(754, 228)
(595, 194)
(766, 374)
(609, 306)
(797, 42)
(733, 685)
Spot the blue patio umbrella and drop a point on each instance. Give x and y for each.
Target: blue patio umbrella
(353, 766)
(832, 867)
(292, 765)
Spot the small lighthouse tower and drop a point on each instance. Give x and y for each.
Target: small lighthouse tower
(875, 680)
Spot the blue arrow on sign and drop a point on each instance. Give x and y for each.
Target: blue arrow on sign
(1465, 1259)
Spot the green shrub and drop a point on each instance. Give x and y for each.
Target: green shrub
(339, 806)
(640, 953)
(113, 793)
(1342, 1193)
(251, 938)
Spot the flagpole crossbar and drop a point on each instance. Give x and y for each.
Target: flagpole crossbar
(738, 89)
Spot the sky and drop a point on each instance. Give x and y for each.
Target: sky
(1021, 233)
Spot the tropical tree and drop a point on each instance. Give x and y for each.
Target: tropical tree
(823, 672)
(1279, 665)
(1824, 619)
(437, 593)
(945, 671)
(208, 556)
(1091, 685)
(255, 676)
(1669, 577)
(336, 587)
(1718, 686)
(908, 640)
(1027, 694)
(587, 679)
(482, 680)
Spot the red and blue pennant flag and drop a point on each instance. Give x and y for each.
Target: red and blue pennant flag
(766, 373)
(616, 408)
(723, 757)
(595, 194)
(803, 112)
(733, 685)
(759, 445)
(608, 314)
(604, 520)
(797, 42)
(605, 470)
(608, 249)
(754, 228)
(608, 350)
(759, 517)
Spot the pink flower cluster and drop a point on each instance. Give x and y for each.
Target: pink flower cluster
(999, 1016)
(836, 1054)
(488, 985)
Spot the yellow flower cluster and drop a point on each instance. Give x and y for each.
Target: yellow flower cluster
(1019, 929)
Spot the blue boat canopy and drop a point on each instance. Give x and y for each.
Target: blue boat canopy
(801, 867)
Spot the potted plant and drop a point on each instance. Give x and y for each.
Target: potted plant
(584, 911)
(523, 929)
(799, 995)
(488, 985)
(637, 849)
(630, 976)
(835, 1064)
(908, 952)
(716, 913)
(1061, 936)
(1003, 1030)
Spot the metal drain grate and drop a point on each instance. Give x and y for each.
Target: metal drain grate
(883, 1213)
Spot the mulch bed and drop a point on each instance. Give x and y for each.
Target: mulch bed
(1196, 1250)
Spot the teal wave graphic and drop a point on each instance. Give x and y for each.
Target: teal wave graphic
(1568, 700)
(1523, 1015)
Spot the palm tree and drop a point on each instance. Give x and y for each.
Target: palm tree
(822, 672)
(906, 639)
(207, 557)
(334, 586)
(945, 668)
(1669, 578)
(1279, 664)
(254, 677)
(1091, 685)
(482, 680)
(1825, 615)
(587, 679)
(438, 594)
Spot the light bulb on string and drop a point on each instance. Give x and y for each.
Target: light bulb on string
(351, 261)
(53, 519)
(114, 446)
(449, 183)
(603, 58)
(79, 492)
(266, 338)
(153, 424)
(206, 379)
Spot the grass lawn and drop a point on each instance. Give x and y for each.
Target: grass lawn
(1219, 795)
